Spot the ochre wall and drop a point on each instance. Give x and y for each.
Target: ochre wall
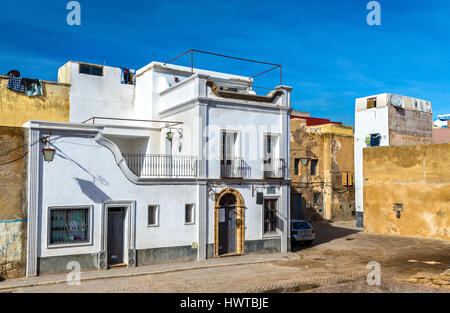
(417, 176)
(12, 202)
(332, 146)
(17, 109)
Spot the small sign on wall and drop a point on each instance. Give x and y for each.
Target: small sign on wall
(271, 190)
(259, 198)
(398, 207)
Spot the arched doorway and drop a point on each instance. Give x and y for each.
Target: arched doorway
(229, 211)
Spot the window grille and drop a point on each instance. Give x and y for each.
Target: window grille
(69, 226)
(270, 215)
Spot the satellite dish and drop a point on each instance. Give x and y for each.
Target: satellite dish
(14, 73)
(396, 100)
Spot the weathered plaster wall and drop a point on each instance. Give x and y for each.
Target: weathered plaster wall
(332, 146)
(416, 176)
(12, 204)
(17, 109)
(343, 198)
(409, 127)
(441, 135)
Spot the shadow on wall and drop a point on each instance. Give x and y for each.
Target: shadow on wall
(312, 215)
(61, 154)
(92, 191)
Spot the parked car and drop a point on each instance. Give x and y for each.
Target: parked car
(302, 231)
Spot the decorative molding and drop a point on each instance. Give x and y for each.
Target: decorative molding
(224, 104)
(33, 201)
(240, 220)
(120, 161)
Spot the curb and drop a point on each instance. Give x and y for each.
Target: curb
(147, 273)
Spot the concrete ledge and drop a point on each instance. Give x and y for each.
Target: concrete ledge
(58, 264)
(165, 255)
(263, 245)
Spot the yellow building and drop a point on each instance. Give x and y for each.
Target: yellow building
(407, 190)
(321, 169)
(16, 108)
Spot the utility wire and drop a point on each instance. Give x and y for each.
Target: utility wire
(16, 148)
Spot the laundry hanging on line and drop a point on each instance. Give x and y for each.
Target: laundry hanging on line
(33, 87)
(128, 76)
(15, 83)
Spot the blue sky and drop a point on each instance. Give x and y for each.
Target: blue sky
(330, 55)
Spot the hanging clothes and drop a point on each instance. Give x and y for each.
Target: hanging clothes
(126, 76)
(15, 83)
(33, 87)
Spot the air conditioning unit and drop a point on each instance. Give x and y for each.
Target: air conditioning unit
(131, 257)
(102, 260)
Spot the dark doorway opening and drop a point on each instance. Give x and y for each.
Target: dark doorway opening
(297, 207)
(116, 218)
(227, 224)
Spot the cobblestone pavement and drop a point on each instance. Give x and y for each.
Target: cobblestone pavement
(336, 262)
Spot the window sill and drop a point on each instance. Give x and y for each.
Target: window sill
(271, 235)
(69, 245)
(153, 225)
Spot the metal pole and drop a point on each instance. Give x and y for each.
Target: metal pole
(192, 61)
(281, 75)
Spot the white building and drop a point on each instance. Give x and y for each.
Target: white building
(442, 121)
(180, 165)
(387, 120)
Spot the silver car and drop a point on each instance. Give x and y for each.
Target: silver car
(302, 231)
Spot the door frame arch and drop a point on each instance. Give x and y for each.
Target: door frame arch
(240, 219)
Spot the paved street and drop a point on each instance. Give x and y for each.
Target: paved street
(335, 263)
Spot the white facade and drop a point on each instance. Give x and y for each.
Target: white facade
(122, 157)
(372, 119)
(442, 121)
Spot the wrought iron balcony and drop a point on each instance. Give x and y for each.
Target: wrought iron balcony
(274, 168)
(160, 165)
(233, 168)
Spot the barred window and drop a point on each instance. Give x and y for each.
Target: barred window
(69, 226)
(270, 215)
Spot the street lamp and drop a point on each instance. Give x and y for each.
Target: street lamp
(169, 135)
(48, 152)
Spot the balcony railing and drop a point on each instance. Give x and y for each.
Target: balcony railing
(274, 168)
(233, 168)
(159, 165)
